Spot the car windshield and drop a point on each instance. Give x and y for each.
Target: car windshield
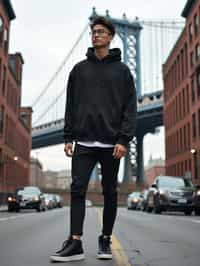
(26, 192)
(172, 182)
(135, 194)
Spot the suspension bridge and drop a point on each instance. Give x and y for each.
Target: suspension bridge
(145, 46)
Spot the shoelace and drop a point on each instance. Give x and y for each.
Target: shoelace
(65, 244)
(106, 243)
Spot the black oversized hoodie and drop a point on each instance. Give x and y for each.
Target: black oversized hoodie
(101, 100)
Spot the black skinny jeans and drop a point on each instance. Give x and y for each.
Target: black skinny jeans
(83, 161)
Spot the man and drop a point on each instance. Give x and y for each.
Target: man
(100, 117)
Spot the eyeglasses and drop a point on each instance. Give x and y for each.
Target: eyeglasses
(99, 32)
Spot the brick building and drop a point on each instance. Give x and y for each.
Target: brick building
(15, 121)
(152, 172)
(154, 168)
(181, 74)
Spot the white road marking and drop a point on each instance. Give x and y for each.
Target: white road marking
(26, 215)
(196, 221)
(13, 217)
(150, 216)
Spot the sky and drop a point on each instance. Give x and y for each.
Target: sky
(44, 32)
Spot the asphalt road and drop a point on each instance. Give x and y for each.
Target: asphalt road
(140, 239)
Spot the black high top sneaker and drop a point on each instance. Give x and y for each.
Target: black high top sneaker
(65, 244)
(71, 250)
(104, 252)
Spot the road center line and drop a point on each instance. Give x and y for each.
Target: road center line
(119, 253)
(196, 221)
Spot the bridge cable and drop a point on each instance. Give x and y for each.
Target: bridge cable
(60, 67)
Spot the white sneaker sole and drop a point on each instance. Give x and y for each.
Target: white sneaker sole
(104, 256)
(70, 258)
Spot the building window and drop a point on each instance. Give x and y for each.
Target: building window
(199, 121)
(194, 125)
(1, 31)
(4, 81)
(192, 59)
(193, 90)
(198, 82)
(185, 165)
(188, 98)
(182, 64)
(196, 24)
(5, 40)
(184, 138)
(1, 164)
(195, 165)
(1, 119)
(181, 140)
(197, 51)
(186, 58)
(0, 73)
(190, 32)
(184, 105)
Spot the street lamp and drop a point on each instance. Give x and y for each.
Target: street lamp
(194, 155)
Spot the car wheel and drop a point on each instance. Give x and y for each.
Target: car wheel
(188, 212)
(144, 208)
(39, 208)
(157, 209)
(197, 211)
(149, 209)
(128, 207)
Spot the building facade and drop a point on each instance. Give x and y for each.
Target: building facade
(15, 121)
(152, 172)
(36, 173)
(154, 168)
(57, 179)
(181, 74)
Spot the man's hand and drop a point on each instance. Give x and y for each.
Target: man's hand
(119, 151)
(68, 149)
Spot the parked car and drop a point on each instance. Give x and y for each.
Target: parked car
(52, 198)
(170, 193)
(59, 201)
(49, 202)
(197, 200)
(28, 197)
(133, 200)
(143, 200)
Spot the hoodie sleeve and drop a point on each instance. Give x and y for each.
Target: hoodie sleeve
(68, 138)
(128, 124)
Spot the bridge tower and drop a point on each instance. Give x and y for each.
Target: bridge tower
(129, 33)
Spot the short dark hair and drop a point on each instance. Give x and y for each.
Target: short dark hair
(105, 22)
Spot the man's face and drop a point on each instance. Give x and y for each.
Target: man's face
(101, 36)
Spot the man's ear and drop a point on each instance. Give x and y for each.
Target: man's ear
(111, 38)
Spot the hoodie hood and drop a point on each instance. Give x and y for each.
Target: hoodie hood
(113, 56)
